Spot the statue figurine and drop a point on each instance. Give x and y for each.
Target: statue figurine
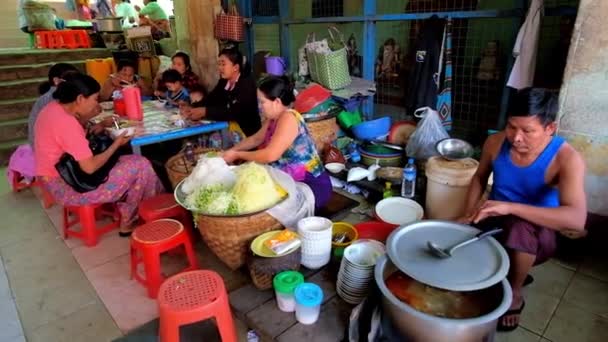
(389, 59)
(353, 56)
(488, 66)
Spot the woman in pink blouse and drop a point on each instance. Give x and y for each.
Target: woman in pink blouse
(59, 129)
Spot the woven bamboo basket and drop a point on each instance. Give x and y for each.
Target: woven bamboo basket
(262, 270)
(230, 237)
(323, 132)
(178, 167)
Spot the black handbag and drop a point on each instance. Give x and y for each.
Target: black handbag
(70, 171)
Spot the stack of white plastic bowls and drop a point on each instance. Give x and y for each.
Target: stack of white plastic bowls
(357, 269)
(315, 234)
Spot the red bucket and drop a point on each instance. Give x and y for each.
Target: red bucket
(375, 230)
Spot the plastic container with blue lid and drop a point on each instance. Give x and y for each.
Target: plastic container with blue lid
(309, 297)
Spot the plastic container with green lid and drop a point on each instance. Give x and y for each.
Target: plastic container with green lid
(284, 285)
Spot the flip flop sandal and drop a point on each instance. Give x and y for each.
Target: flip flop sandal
(529, 280)
(125, 234)
(506, 328)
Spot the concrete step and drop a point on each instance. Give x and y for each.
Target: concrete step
(21, 72)
(38, 56)
(16, 108)
(7, 148)
(13, 129)
(20, 89)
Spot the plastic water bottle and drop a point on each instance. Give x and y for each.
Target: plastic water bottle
(408, 184)
(355, 157)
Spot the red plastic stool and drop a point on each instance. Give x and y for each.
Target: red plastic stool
(47, 198)
(70, 39)
(152, 239)
(192, 297)
(18, 185)
(164, 206)
(75, 39)
(87, 216)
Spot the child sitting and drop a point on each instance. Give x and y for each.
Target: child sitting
(197, 94)
(176, 93)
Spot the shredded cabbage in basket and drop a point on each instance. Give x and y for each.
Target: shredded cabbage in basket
(213, 199)
(254, 189)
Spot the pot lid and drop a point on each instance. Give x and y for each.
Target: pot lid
(476, 266)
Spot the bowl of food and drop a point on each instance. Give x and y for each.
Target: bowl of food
(160, 103)
(454, 149)
(416, 309)
(335, 167)
(116, 132)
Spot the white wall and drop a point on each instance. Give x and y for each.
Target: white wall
(10, 35)
(584, 99)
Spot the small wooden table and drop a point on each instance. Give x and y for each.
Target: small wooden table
(259, 310)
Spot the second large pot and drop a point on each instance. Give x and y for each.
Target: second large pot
(416, 326)
(109, 24)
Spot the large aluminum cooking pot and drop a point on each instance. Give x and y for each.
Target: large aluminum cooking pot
(109, 24)
(416, 326)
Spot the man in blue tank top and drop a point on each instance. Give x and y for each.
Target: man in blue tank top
(538, 189)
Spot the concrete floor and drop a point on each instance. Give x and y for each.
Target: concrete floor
(46, 296)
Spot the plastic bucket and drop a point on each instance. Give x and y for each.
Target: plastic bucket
(446, 187)
(375, 230)
(275, 65)
(351, 235)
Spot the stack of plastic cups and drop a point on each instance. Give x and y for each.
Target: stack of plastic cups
(315, 234)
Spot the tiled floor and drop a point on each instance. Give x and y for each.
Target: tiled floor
(67, 292)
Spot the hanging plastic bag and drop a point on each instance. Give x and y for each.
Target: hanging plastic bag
(299, 204)
(429, 131)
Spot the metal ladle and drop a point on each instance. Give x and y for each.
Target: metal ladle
(447, 252)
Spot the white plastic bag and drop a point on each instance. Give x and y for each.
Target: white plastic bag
(313, 45)
(299, 204)
(209, 171)
(429, 131)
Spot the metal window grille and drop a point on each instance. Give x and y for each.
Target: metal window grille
(476, 99)
(265, 7)
(327, 8)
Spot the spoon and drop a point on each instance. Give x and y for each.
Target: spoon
(447, 252)
(115, 122)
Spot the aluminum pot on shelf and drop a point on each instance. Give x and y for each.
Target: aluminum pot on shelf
(109, 24)
(407, 245)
